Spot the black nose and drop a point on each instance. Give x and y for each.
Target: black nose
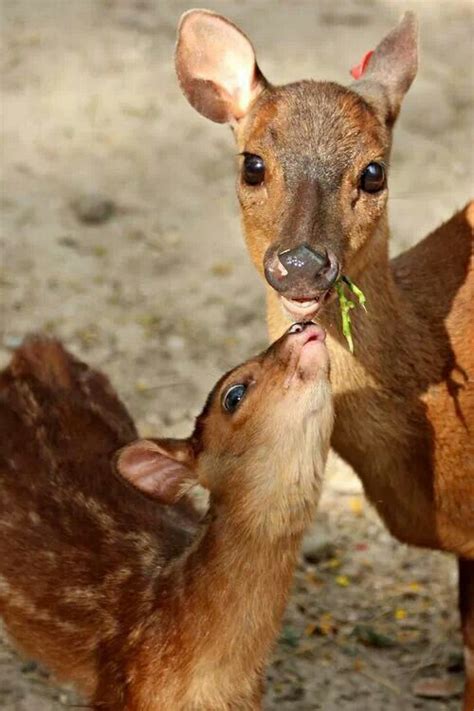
(304, 262)
(301, 272)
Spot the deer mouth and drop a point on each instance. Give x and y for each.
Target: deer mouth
(305, 307)
(303, 278)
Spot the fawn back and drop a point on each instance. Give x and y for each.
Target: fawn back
(76, 544)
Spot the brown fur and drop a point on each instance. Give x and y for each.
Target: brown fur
(144, 606)
(405, 401)
(414, 446)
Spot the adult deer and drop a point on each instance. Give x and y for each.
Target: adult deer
(314, 161)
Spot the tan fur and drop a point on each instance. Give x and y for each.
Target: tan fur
(413, 447)
(405, 400)
(144, 606)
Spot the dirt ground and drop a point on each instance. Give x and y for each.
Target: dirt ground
(162, 296)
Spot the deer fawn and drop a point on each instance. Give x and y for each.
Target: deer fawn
(127, 593)
(312, 187)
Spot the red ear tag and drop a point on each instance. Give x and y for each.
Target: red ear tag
(360, 68)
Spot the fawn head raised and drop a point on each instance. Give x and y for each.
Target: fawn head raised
(250, 416)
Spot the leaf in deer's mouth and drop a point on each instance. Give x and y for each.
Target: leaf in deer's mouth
(346, 304)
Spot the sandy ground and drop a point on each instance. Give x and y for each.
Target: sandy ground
(162, 295)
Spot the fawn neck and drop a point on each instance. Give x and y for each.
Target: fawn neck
(226, 599)
(233, 585)
(242, 581)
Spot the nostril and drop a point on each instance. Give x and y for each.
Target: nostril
(299, 327)
(303, 258)
(296, 328)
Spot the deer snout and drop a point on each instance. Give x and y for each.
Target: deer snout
(302, 271)
(304, 350)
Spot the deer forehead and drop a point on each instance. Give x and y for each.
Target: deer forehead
(318, 128)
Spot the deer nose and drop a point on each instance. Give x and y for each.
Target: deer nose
(300, 271)
(304, 262)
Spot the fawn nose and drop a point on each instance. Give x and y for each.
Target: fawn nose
(301, 269)
(304, 344)
(306, 331)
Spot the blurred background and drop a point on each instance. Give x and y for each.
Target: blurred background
(120, 234)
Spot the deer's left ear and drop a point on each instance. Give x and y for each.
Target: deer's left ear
(391, 68)
(161, 468)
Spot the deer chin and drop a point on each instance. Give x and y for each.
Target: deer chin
(304, 310)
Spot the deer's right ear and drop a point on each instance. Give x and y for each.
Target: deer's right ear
(391, 67)
(216, 66)
(161, 468)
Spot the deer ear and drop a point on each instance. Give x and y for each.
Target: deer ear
(391, 68)
(216, 66)
(161, 468)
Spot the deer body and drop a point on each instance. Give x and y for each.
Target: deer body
(140, 602)
(403, 404)
(313, 194)
(75, 544)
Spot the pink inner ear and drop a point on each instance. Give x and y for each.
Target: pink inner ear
(360, 68)
(145, 466)
(216, 66)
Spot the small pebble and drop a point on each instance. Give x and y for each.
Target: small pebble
(317, 546)
(29, 667)
(175, 343)
(93, 209)
(434, 688)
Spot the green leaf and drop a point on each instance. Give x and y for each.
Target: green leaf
(289, 636)
(355, 290)
(345, 306)
(369, 636)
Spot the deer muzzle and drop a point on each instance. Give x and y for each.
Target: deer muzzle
(302, 275)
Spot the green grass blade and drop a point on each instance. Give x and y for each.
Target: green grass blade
(345, 306)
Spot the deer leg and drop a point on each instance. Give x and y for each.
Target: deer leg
(466, 608)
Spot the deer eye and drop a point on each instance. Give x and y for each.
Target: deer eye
(233, 397)
(373, 178)
(253, 169)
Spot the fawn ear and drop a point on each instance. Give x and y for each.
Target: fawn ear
(389, 72)
(216, 66)
(161, 468)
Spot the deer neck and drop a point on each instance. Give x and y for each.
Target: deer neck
(395, 350)
(226, 600)
(242, 579)
(241, 570)
(381, 428)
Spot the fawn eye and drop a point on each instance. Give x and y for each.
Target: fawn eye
(233, 397)
(373, 178)
(253, 169)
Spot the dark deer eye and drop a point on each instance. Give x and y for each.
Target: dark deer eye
(253, 170)
(233, 397)
(373, 178)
